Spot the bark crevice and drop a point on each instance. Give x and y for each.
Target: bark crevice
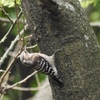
(78, 63)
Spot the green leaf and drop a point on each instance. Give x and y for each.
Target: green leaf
(9, 3)
(86, 3)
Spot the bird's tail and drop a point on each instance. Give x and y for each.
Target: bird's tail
(58, 80)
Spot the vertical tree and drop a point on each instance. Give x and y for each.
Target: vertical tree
(63, 24)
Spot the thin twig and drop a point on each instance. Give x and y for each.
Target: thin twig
(11, 28)
(25, 89)
(12, 45)
(7, 20)
(7, 15)
(1, 96)
(95, 24)
(37, 79)
(12, 54)
(6, 72)
(31, 46)
(30, 89)
(9, 67)
(26, 37)
(4, 20)
(22, 81)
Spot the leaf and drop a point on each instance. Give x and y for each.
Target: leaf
(9, 3)
(86, 3)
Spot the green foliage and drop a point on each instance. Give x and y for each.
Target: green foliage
(6, 98)
(95, 16)
(9, 3)
(94, 5)
(93, 12)
(86, 3)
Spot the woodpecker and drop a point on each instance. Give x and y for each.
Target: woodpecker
(42, 63)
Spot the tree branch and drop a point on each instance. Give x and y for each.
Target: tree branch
(95, 24)
(11, 28)
(22, 81)
(7, 15)
(12, 45)
(9, 67)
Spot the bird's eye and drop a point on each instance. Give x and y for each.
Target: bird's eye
(26, 62)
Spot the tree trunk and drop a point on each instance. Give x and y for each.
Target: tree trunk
(63, 24)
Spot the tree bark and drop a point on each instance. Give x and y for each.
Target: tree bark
(63, 24)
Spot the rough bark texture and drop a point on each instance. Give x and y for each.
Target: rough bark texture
(67, 27)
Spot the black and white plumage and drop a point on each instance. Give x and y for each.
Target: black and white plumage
(41, 63)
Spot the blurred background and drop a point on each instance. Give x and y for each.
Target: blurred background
(12, 25)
